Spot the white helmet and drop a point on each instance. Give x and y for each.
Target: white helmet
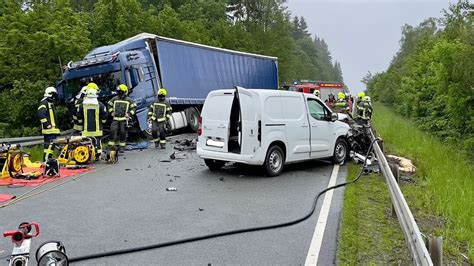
(316, 93)
(91, 93)
(50, 91)
(83, 90)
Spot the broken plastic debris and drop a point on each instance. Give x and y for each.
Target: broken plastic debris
(171, 189)
(173, 156)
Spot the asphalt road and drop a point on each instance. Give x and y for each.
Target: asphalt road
(127, 205)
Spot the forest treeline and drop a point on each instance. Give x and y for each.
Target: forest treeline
(431, 78)
(40, 36)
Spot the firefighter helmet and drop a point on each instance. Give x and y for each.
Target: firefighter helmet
(122, 88)
(316, 93)
(341, 95)
(360, 95)
(367, 98)
(94, 86)
(162, 91)
(83, 90)
(50, 92)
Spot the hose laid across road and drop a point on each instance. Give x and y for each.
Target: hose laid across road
(226, 233)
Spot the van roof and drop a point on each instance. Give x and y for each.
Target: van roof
(262, 92)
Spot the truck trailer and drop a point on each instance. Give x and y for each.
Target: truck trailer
(188, 71)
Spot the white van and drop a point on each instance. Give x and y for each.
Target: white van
(269, 128)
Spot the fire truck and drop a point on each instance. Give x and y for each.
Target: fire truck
(308, 86)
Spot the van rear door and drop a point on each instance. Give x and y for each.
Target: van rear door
(215, 120)
(250, 117)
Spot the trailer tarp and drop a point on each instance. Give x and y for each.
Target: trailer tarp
(189, 71)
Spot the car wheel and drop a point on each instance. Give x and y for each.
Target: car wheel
(274, 161)
(341, 149)
(214, 164)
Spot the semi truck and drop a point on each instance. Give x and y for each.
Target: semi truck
(188, 71)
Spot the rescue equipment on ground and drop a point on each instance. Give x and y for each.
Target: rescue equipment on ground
(111, 155)
(21, 239)
(49, 253)
(11, 160)
(77, 150)
(51, 167)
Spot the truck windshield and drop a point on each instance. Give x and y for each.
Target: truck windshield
(106, 81)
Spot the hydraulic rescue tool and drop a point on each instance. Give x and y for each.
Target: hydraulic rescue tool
(11, 160)
(77, 150)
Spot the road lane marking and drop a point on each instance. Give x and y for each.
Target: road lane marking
(316, 242)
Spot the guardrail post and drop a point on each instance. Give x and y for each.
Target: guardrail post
(396, 174)
(435, 248)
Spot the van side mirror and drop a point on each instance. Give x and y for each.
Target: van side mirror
(334, 117)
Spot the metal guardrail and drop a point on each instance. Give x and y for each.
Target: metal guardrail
(416, 245)
(31, 141)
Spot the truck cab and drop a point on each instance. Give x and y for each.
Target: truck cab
(129, 63)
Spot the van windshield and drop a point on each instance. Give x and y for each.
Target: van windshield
(106, 82)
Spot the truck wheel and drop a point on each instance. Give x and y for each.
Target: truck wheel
(214, 164)
(274, 161)
(192, 116)
(341, 150)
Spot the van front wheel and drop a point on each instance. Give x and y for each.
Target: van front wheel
(274, 161)
(341, 151)
(214, 164)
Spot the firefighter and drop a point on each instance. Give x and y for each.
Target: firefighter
(317, 93)
(47, 117)
(91, 115)
(330, 100)
(121, 108)
(77, 102)
(364, 109)
(159, 113)
(341, 104)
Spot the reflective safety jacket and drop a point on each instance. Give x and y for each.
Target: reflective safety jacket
(121, 107)
(47, 117)
(160, 111)
(91, 116)
(364, 110)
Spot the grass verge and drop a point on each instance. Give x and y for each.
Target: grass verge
(369, 234)
(442, 197)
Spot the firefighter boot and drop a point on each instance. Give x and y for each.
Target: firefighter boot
(163, 145)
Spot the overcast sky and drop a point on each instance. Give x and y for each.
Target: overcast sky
(363, 35)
